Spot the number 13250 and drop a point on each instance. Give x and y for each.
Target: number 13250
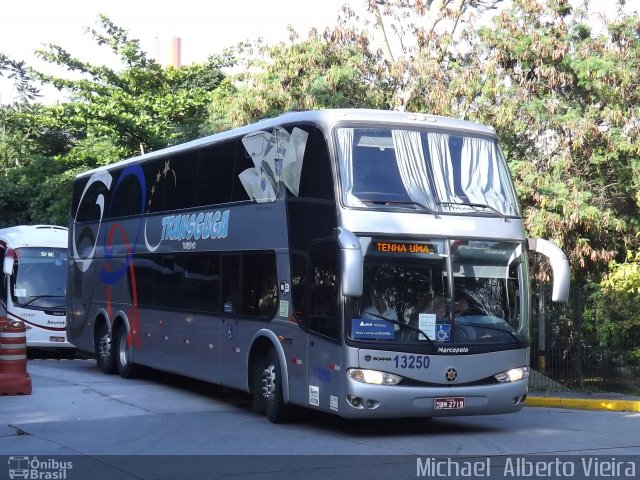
(411, 361)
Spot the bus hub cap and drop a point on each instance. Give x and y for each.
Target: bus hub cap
(269, 382)
(104, 346)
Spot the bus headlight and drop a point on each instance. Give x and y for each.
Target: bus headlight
(513, 375)
(373, 376)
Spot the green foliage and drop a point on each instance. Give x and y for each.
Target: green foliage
(143, 107)
(614, 312)
(308, 75)
(23, 88)
(110, 114)
(564, 101)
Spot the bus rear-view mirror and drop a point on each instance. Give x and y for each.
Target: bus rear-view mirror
(351, 261)
(559, 265)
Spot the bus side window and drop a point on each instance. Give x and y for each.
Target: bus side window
(324, 317)
(259, 286)
(242, 162)
(316, 178)
(128, 197)
(231, 292)
(215, 174)
(179, 191)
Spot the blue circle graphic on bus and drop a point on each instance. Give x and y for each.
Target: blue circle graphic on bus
(111, 277)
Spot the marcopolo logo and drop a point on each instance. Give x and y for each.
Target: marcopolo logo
(453, 350)
(38, 469)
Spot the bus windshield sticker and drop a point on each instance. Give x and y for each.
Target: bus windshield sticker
(277, 158)
(372, 329)
(284, 308)
(427, 323)
(443, 332)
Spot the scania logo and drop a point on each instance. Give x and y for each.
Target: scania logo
(368, 358)
(451, 375)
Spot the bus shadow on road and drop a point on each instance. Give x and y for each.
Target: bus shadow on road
(394, 427)
(322, 421)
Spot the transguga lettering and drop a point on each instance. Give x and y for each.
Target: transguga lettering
(196, 226)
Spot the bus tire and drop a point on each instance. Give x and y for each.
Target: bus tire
(125, 366)
(270, 387)
(258, 402)
(105, 355)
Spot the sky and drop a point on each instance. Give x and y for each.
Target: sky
(204, 26)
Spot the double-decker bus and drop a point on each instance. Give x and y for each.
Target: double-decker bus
(363, 263)
(33, 282)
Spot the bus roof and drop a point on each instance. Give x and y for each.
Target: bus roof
(34, 236)
(328, 118)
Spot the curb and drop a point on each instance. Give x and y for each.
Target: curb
(584, 404)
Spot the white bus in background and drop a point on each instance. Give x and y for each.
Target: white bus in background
(33, 282)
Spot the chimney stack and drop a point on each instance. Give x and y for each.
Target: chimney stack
(176, 52)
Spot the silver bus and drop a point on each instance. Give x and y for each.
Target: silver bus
(33, 282)
(370, 264)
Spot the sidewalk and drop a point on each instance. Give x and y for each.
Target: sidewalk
(584, 401)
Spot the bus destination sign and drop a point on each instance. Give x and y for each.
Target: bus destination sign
(403, 247)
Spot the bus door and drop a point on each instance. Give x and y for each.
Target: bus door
(324, 347)
(3, 285)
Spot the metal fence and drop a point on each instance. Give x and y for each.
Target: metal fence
(566, 356)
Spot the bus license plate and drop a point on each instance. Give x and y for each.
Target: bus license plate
(56, 339)
(448, 403)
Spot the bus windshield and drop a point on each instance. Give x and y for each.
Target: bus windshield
(422, 170)
(39, 279)
(413, 295)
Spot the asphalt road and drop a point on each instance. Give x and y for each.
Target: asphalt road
(164, 427)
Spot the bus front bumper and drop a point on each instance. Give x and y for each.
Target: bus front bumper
(385, 401)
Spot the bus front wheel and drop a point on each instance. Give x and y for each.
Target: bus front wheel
(270, 388)
(105, 357)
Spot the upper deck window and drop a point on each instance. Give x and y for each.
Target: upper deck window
(434, 171)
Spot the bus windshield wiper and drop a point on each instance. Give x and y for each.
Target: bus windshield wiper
(37, 297)
(477, 205)
(406, 325)
(486, 327)
(412, 202)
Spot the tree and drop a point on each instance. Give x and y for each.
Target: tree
(614, 311)
(116, 114)
(110, 114)
(564, 99)
(307, 75)
(425, 36)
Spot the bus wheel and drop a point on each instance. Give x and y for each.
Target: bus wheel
(271, 387)
(125, 367)
(105, 357)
